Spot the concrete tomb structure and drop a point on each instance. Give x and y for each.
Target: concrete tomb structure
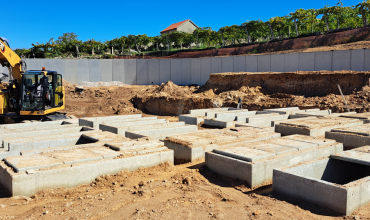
(192, 146)
(340, 182)
(351, 137)
(314, 126)
(254, 162)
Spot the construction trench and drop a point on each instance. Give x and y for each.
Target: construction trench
(313, 154)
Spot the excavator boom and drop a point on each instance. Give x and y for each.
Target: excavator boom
(8, 58)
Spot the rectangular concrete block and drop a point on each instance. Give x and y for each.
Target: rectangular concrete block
(118, 70)
(34, 64)
(106, 71)
(216, 65)
(164, 70)
(176, 69)
(185, 72)
(341, 60)
(264, 63)
(142, 72)
(367, 57)
(83, 71)
(196, 71)
(94, 70)
(47, 63)
(357, 59)
(206, 69)
(71, 73)
(291, 62)
(227, 64)
(277, 62)
(153, 72)
(323, 60)
(251, 63)
(59, 66)
(130, 72)
(239, 64)
(306, 62)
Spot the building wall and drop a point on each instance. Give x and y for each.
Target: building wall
(187, 27)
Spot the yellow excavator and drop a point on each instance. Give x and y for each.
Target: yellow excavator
(29, 94)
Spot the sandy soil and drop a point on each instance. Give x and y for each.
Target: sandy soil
(187, 191)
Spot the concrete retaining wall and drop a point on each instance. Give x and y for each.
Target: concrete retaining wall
(197, 70)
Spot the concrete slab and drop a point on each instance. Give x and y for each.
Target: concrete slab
(94, 122)
(306, 61)
(339, 182)
(323, 60)
(362, 116)
(278, 62)
(219, 124)
(106, 71)
(291, 62)
(195, 71)
(186, 72)
(254, 162)
(259, 120)
(341, 60)
(239, 64)
(161, 133)
(264, 63)
(192, 146)
(142, 72)
(130, 72)
(140, 125)
(176, 69)
(94, 70)
(164, 70)
(315, 127)
(352, 137)
(118, 70)
(206, 69)
(357, 60)
(203, 112)
(251, 64)
(227, 64)
(154, 72)
(83, 71)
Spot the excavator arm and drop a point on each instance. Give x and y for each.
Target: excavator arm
(9, 59)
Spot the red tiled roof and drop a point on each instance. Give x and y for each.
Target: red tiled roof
(174, 26)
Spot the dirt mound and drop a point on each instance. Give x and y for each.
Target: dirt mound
(170, 88)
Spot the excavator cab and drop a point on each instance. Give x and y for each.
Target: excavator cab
(41, 92)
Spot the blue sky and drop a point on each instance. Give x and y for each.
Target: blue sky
(30, 21)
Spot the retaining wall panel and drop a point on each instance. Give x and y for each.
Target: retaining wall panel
(186, 72)
(59, 66)
(357, 60)
(323, 60)
(118, 70)
(216, 65)
(176, 71)
(47, 63)
(153, 72)
(142, 72)
(94, 70)
(264, 63)
(70, 71)
(367, 58)
(251, 64)
(164, 70)
(83, 71)
(130, 71)
(106, 70)
(277, 63)
(195, 71)
(291, 62)
(341, 60)
(306, 61)
(34, 64)
(239, 64)
(227, 64)
(206, 69)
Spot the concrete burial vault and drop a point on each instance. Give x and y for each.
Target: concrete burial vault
(255, 161)
(49, 155)
(351, 137)
(340, 182)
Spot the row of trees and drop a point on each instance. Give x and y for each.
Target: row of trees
(295, 24)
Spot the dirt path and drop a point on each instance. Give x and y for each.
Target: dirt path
(187, 191)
